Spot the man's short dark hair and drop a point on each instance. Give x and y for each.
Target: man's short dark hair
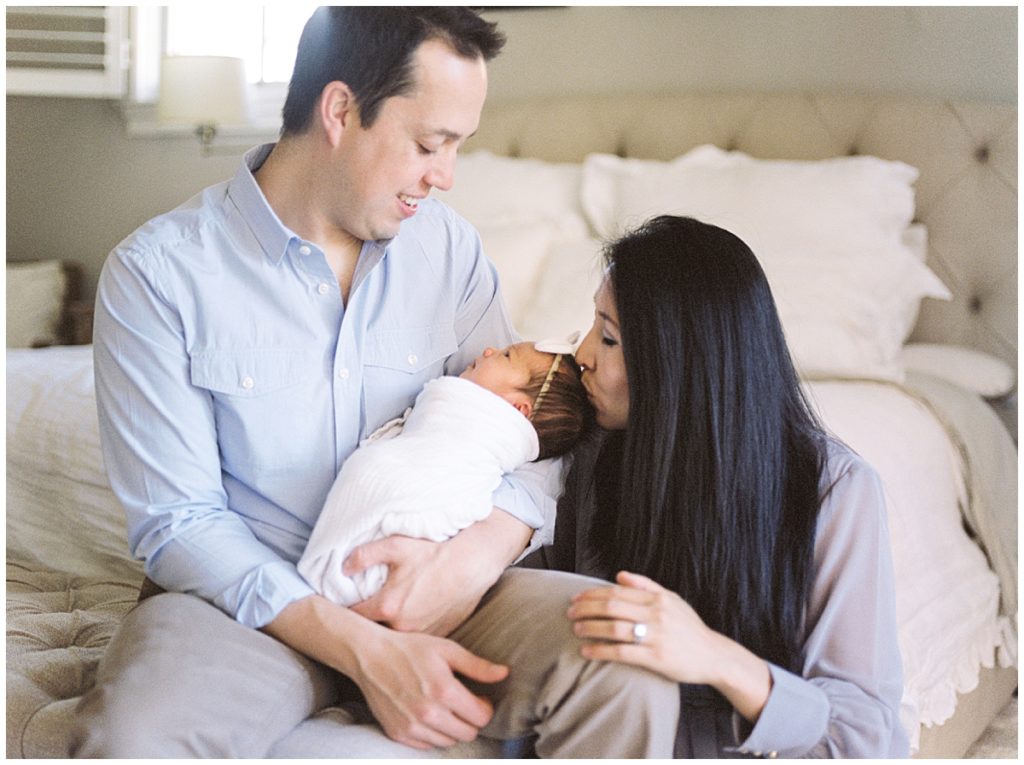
(370, 49)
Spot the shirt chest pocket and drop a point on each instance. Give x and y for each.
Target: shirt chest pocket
(396, 365)
(264, 401)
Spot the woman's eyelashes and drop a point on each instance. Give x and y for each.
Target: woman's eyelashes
(611, 342)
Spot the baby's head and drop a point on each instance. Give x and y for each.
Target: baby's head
(544, 387)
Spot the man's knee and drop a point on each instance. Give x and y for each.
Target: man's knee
(573, 701)
(181, 679)
(127, 713)
(108, 727)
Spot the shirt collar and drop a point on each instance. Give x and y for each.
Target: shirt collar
(273, 236)
(259, 216)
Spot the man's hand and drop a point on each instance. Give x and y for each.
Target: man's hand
(408, 680)
(410, 685)
(433, 587)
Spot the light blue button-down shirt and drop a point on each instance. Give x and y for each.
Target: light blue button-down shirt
(232, 381)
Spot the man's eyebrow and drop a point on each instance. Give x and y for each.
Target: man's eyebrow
(450, 135)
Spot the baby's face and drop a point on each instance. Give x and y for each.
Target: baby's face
(507, 371)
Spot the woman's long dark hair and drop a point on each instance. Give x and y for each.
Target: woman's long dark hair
(712, 489)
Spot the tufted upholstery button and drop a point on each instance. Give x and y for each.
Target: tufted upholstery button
(974, 304)
(982, 154)
(853, 151)
(57, 629)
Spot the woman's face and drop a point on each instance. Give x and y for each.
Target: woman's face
(604, 368)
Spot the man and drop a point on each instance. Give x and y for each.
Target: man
(245, 342)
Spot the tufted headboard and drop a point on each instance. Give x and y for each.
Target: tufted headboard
(966, 153)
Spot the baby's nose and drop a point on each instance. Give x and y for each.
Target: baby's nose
(489, 352)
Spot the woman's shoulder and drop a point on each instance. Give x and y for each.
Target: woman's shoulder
(843, 464)
(853, 497)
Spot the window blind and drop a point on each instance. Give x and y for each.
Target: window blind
(78, 51)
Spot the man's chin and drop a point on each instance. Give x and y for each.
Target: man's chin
(385, 232)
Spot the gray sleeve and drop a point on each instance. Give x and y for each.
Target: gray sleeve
(845, 702)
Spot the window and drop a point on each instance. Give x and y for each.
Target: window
(264, 36)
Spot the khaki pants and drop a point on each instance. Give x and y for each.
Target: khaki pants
(181, 679)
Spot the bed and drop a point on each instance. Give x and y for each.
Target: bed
(887, 227)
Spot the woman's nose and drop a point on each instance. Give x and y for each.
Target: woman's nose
(585, 353)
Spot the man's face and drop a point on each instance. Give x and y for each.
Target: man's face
(385, 170)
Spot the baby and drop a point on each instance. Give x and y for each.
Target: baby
(431, 473)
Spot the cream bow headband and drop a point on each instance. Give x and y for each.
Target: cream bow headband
(560, 347)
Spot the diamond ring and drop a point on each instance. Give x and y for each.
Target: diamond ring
(639, 632)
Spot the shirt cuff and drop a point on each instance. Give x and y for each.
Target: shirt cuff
(791, 723)
(518, 502)
(264, 593)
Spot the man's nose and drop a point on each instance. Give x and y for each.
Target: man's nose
(441, 174)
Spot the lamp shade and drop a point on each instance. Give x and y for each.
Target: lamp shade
(199, 90)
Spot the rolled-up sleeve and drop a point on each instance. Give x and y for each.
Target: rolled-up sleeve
(531, 494)
(159, 440)
(845, 702)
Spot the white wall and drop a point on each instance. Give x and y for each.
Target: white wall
(77, 185)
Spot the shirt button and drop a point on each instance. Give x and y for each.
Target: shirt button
(248, 382)
(304, 250)
(343, 374)
(322, 289)
(412, 359)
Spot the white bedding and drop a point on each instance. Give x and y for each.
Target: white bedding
(947, 596)
(61, 513)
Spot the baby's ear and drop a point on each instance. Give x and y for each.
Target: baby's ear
(522, 404)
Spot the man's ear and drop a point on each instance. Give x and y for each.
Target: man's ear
(336, 110)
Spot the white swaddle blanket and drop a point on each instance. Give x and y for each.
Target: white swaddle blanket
(430, 481)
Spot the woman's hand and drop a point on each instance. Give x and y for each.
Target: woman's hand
(675, 642)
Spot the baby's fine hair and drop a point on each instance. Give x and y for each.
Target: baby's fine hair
(564, 414)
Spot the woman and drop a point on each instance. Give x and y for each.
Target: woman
(750, 550)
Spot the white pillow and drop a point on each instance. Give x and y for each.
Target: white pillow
(60, 508)
(517, 250)
(563, 300)
(971, 369)
(829, 235)
(35, 296)
(489, 189)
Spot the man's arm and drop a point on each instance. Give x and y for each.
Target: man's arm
(433, 587)
(160, 447)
